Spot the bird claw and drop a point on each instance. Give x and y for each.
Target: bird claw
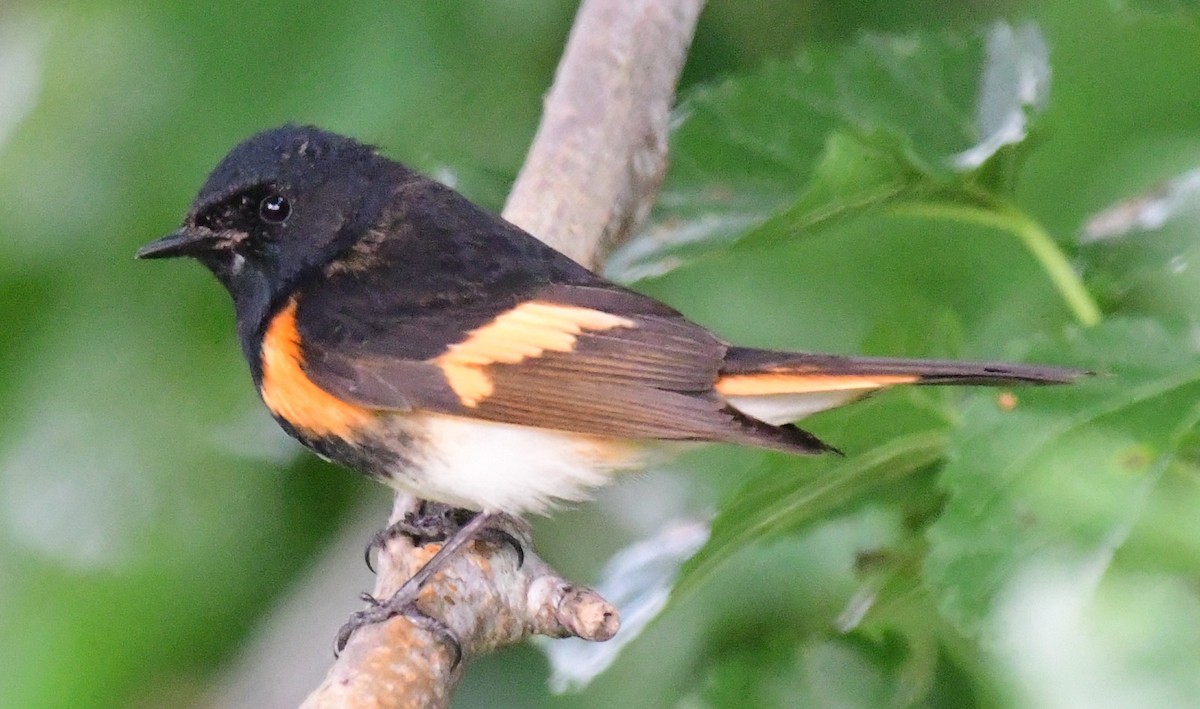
(499, 536)
(375, 612)
(430, 522)
(403, 602)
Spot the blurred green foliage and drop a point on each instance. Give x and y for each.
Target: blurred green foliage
(968, 551)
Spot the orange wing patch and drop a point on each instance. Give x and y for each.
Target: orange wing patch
(527, 331)
(290, 394)
(803, 383)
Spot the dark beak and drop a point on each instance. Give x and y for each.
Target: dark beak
(182, 242)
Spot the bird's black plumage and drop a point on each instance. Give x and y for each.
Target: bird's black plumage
(394, 327)
(365, 291)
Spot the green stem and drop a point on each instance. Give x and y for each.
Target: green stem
(1008, 218)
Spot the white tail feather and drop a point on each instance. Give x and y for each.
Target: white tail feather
(778, 409)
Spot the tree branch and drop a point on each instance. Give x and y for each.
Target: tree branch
(600, 153)
(589, 179)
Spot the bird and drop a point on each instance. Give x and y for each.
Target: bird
(397, 329)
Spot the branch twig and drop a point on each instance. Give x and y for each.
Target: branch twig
(590, 177)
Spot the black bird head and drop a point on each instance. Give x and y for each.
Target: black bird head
(278, 206)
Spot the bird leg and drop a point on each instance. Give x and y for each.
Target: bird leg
(429, 522)
(403, 601)
(435, 522)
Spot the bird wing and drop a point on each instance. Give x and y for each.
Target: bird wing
(593, 359)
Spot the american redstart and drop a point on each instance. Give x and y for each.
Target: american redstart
(394, 327)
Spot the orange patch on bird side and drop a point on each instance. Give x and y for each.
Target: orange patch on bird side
(527, 331)
(290, 394)
(785, 383)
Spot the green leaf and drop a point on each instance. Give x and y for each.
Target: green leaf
(831, 673)
(791, 149)
(1064, 639)
(1006, 217)
(853, 175)
(786, 498)
(1140, 252)
(1185, 9)
(1068, 468)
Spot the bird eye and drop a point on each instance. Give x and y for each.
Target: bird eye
(274, 209)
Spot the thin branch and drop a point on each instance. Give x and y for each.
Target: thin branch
(589, 179)
(601, 151)
(483, 598)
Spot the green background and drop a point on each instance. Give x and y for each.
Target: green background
(154, 526)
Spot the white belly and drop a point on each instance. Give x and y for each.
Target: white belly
(504, 468)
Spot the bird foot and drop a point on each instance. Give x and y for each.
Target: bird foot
(403, 602)
(435, 522)
(443, 521)
(429, 522)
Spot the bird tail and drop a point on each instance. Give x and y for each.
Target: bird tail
(781, 387)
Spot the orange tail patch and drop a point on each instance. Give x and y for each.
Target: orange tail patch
(767, 383)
